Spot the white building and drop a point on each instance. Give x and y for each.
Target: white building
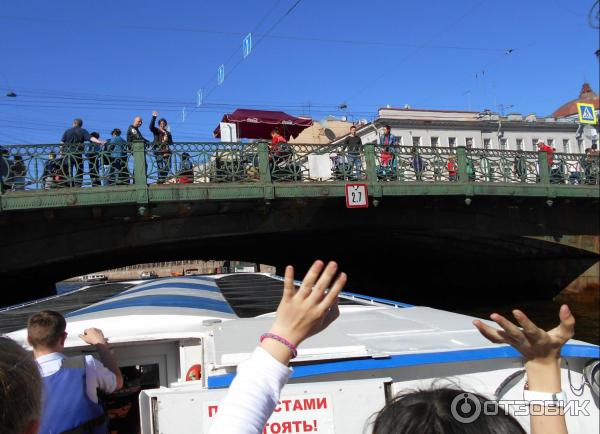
(488, 130)
(442, 128)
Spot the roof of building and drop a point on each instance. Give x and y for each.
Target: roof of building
(587, 95)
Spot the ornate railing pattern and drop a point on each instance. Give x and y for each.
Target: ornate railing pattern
(37, 167)
(575, 169)
(405, 163)
(489, 165)
(315, 163)
(187, 163)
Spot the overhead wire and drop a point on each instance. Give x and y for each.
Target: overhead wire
(236, 51)
(282, 37)
(277, 22)
(417, 49)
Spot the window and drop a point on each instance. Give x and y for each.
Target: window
(469, 142)
(534, 143)
(551, 143)
(519, 144)
(487, 143)
(451, 142)
(580, 146)
(416, 141)
(567, 145)
(435, 142)
(503, 144)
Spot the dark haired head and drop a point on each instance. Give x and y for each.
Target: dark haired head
(162, 122)
(388, 128)
(116, 132)
(353, 127)
(275, 131)
(95, 134)
(431, 412)
(77, 122)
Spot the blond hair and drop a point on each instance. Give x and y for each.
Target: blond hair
(20, 388)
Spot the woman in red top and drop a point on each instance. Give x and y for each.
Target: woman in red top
(276, 139)
(452, 168)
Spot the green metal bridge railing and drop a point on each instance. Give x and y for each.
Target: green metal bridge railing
(57, 175)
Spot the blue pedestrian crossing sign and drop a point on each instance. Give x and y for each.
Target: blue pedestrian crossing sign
(247, 45)
(587, 113)
(221, 75)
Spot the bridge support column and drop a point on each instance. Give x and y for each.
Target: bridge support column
(265, 173)
(461, 159)
(139, 172)
(374, 186)
(543, 168)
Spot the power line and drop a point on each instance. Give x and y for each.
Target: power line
(277, 22)
(236, 51)
(416, 50)
(282, 37)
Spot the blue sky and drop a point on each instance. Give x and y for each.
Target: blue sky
(109, 61)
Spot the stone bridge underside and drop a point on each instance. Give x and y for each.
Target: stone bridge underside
(424, 249)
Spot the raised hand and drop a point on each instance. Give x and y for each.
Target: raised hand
(93, 336)
(310, 309)
(532, 342)
(154, 114)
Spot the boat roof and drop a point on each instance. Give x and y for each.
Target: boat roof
(237, 308)
(145, 309)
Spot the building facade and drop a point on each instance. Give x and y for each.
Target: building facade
(487, 130)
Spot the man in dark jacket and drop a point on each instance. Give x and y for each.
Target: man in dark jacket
(353, 145)
(73, 150)
(161, 145)
(133, 132)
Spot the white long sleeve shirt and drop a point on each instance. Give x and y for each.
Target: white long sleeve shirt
(252, 396)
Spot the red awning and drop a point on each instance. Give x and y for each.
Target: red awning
(257, 124)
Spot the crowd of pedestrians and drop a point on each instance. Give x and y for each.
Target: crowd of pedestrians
(107, 160)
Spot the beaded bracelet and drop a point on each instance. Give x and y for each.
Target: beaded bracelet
(284, 341)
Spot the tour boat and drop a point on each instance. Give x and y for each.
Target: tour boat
(178, 341)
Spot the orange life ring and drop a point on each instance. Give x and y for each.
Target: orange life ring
(194, 373)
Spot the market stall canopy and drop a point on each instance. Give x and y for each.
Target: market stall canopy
(257, 124)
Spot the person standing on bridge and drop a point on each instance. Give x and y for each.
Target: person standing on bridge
(452, 169)
(353, 145)
(73, 149)
(548, 150)
(94, 159)
(117, 146)
(388, 142)
(133, 132)
(70, 384)
(162, 147)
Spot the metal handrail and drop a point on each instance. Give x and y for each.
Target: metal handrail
(58, 166)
